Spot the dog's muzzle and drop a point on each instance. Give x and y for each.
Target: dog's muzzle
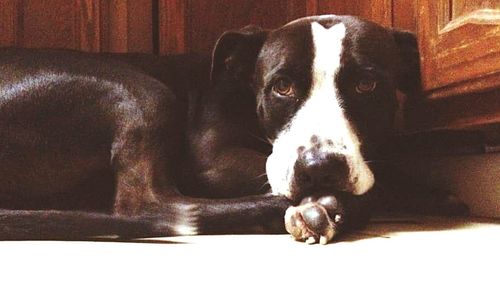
(318, 170)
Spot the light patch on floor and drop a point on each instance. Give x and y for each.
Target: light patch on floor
(402, 248)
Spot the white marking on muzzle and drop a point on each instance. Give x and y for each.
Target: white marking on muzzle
(321, 115)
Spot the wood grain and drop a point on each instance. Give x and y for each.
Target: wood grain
(194, 25)
(118, 25)
(87, 25)
(49, 23)
(140, 26)
(172, 29)
(339, 7)
(466, 52)
(8, 22)
(296, 9)
(210, 18)
(464, 7)
(403, 15)
(379, 11)
(312, 7)
(460, 66)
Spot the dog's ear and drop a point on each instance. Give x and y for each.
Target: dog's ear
(408, 79)
(235, 53)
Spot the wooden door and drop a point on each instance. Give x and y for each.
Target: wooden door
(87, 25)
(460, 56)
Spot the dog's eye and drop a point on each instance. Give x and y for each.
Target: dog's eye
(283, 87)
(366, 86)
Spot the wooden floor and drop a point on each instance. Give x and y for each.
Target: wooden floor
(403, 248)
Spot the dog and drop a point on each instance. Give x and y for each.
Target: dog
(276, 122)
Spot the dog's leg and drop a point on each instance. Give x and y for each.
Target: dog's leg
(234, 172)
(68, 225)
(144, 156)
(249, 214)
(145, 190)
(135, 192)
(178, 216)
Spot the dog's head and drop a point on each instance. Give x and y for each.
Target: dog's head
(325, 96)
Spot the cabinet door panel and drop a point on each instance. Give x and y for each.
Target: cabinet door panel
(48, 23)
(87, 25)
(8, 22)
(379, 11)
(194, 26)
(460, 41)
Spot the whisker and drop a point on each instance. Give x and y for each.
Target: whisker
(261, 139)
(261, 175)
(261, 188)
(373, 161)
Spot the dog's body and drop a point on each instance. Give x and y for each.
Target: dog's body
(130, 144)
(71, 159)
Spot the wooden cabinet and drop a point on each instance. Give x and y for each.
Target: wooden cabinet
(88, 25)
(460, 43)
(195, 25)
(459, 39)
(460, 57)
(161, 26)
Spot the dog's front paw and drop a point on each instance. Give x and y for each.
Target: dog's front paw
(311, 221)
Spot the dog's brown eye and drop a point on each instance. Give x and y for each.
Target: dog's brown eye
(283, 87)
(366, 86)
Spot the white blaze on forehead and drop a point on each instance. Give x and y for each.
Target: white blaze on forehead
(322, 112)
(321, 115)
(327, 50)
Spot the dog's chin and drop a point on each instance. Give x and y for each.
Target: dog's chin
(362, 181)
(295, 192)
(361, 191)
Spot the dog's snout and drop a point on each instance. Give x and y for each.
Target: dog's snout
(318, 169)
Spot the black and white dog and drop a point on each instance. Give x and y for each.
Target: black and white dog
(137, 145)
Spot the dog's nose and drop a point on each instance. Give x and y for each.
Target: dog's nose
(316, 169)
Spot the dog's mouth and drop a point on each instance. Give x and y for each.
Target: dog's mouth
(284, 181)
(301, 188)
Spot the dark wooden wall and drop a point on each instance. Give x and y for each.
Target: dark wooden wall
(167, 26)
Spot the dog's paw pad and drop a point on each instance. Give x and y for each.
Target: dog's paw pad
(310, 223)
